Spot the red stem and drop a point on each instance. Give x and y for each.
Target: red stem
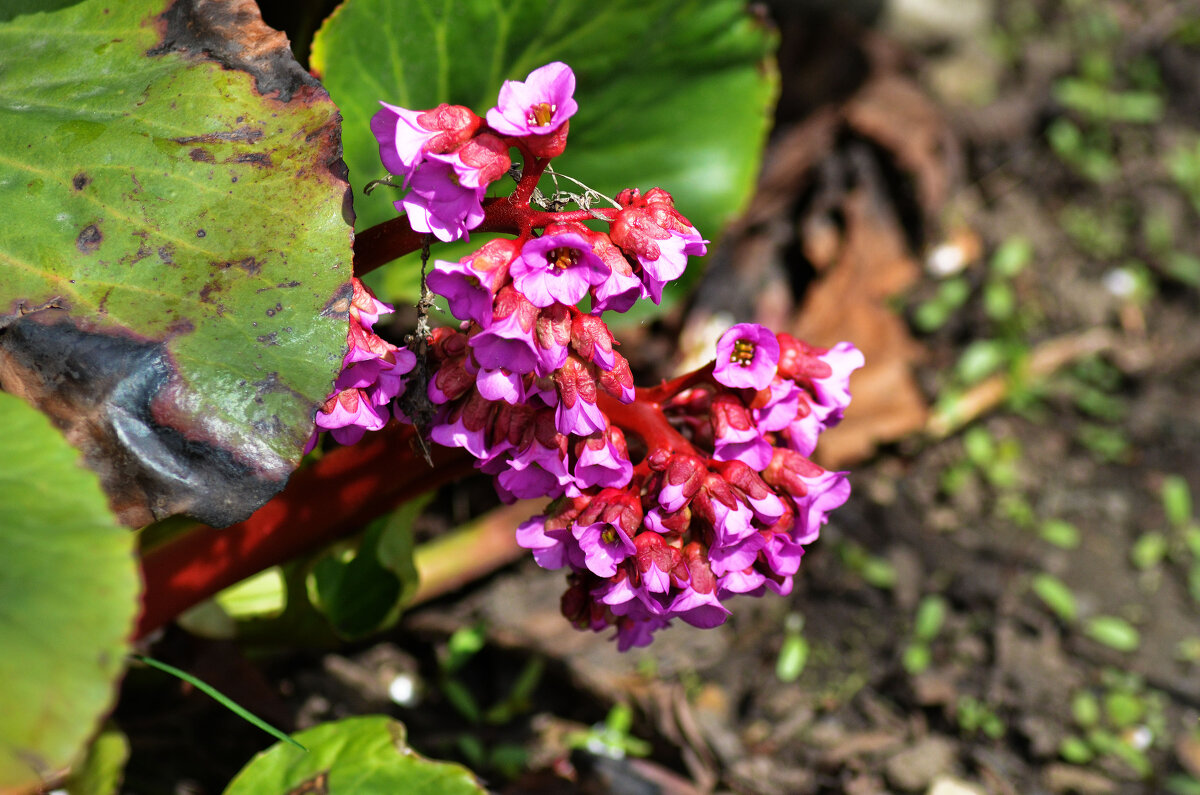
(392, 239)
(645, 418)
(332, 498)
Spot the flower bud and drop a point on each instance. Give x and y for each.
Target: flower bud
(789, 471)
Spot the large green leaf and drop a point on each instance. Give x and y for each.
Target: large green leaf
(175, 252)
(68, 598)
(357, 756)
(672, 93)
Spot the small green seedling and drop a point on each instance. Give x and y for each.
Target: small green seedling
(1059, 533)
(611, 738)
(793, 653)
(1056, 595)
(1114, 632)
(974, 716)
(927, 624)
(876, 571)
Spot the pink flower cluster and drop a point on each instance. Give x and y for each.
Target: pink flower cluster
(373, 374)
(448, 156)
(667, 501)
(723, 501)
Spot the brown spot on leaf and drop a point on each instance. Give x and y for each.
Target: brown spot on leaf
(246, 135)
(200, 233)
(250, 265)
(116, 398)
(166, 254)
(258, 159)
(207, 290)
(180, 327)
(339, 305)
(232, 33)
(201, 155)
(268, 339)
(272, 384)
(89, 239)
(80, 181)
(317, 785)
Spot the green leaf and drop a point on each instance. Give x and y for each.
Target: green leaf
(916, 658)
(1057, 596)
(262, 596)
(68, 599)
(174, 248)
(793, 656)
(357, 756)
(1123, 709)
(1177, 500)
(368, 592)
(1060, 533)
(1076, 750)
(103, 767)
(1011, 257)
(931, 615)
(979, 446)
(1116, 633)
(671, 93)
(1148, 551)
(980, 359)
(1085, 709)
(357, 595)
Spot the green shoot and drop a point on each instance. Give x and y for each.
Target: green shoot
(220, 698)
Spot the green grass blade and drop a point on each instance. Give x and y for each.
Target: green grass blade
(220, 698)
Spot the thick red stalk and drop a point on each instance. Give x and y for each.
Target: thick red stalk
(645, 418)
(334, 497)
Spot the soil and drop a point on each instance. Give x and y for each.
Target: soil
(893, 148)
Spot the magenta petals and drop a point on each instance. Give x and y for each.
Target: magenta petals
(537, 106)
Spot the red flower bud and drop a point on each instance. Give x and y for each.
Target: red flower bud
(455, 123)
(695, 557)
(591, 338)
(798, 360)
(616, 507)
(553, 328)
(618, 381)
(651, 549)
(488, 154)
(787, 471)
(549, 145)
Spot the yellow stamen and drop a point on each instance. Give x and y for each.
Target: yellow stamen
(540, 114)
(562, 258)
(743, 353)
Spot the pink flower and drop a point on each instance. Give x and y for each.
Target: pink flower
(365, 308)
(557, 268)
(604, 545)
(437, 204)
(537, 471)
(405, 136)
(736, 436)
(834, 392)
(653, 231)
(470, 284)
(747, 357)
(478, 162)
(537, 106)
(348, 414)
(603, 460)
(508, 340)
